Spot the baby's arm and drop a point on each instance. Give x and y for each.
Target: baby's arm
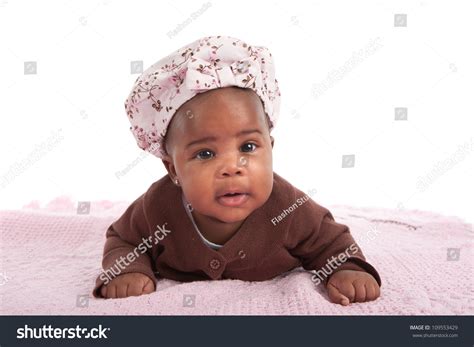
(330, 250)
(126, 260)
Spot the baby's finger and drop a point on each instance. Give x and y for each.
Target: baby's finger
(135, 288)
(336, 296)
(149, 287)
(111, 291)
(122, 290)
(377, 290)
(347, 289)
(103, 291)
(360, 293)
(370, 292)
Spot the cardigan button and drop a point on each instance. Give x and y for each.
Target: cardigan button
(215, 264)
(242, 254)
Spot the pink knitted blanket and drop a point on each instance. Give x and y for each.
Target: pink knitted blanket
(50, 257)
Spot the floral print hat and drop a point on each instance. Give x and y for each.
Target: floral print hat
(208, 63)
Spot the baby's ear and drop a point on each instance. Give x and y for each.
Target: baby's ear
(169, 165)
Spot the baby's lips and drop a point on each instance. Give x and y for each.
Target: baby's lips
(231, 191)
(233, 200)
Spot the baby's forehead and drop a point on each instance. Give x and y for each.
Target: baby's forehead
(221, 96)
(196, 121)
(220, 106)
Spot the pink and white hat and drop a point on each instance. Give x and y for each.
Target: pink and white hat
(208, 63)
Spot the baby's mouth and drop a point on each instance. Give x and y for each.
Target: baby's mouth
(232, 199)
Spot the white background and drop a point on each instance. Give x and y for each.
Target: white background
(83, 52)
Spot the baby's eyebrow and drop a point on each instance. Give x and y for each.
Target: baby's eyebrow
(214, 139)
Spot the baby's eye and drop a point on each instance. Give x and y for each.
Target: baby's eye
(248, 147)
(205, 154)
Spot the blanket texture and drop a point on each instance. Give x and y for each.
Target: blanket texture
(50, 256)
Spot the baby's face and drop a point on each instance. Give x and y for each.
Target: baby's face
(219, 144)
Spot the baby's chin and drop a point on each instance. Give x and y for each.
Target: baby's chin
(226, 214)
(232, 215)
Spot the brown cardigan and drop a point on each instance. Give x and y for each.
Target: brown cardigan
(156, 237)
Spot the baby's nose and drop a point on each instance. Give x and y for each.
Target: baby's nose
(233, 165)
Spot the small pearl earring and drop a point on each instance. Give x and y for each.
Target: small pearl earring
(176, 181)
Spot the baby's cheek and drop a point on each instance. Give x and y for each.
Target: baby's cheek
(196, 176)
(261, 177)
(199, 192)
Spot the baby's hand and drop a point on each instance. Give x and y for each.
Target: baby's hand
(129, 284)
(347, 286)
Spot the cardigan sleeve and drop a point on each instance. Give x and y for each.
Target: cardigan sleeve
(125, 250)
(329, 247)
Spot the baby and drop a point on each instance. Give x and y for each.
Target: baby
(207, 112)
